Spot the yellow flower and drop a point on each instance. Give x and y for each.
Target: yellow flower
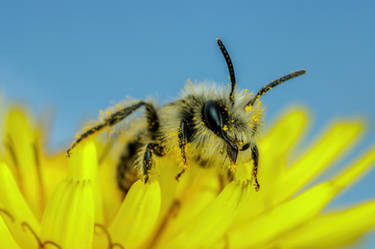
(55, 202)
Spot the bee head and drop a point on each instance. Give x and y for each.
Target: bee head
(233, 117)
(213, 117)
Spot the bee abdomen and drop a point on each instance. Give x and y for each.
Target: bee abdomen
(127, 173)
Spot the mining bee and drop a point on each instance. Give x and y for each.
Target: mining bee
(209, 125)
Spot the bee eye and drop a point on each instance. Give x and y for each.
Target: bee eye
(245, 147)
(212, 116)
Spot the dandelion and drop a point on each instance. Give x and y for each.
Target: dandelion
(55, 202)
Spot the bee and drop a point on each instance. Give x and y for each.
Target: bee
(208, 125)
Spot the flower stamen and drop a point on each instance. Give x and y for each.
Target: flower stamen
(49, 242)
(226, 241)
(7, 214)
(41, 244)
(39, 174)
(9, 145)
(111, 245)
(171, 213)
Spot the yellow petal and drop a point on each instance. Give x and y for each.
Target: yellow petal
(70, 215)
(87, 169)
(137, 215)
(20, 139)
(54, 171)
(196, 190)
(357, 169)
(83, 164)
(332, 230)
(13, 202)
(6, 239)
(282, 218)
(278, 141)
(325, 151)
(288, 215)
(211, 224)
(109, 192)
(274, 147)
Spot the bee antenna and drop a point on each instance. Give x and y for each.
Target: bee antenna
(274, 83)
(230, 68)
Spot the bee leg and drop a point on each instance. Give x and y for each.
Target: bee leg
(255, 157)
(116, 117)
(151, 148)
(182, 141)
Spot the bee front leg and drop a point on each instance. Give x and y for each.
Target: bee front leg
(151, 148)
(182, 141)
(255, 157)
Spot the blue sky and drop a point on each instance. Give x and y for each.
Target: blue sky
(79, 57)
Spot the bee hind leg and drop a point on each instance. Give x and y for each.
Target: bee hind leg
(112, 120)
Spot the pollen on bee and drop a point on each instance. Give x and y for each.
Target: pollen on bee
(255, 118)
(232, 167)
(248, 108)
(189, 85)
(225, 127)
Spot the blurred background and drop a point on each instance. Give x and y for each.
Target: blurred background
(74, 58)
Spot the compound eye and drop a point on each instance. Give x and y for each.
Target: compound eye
(212, 116)
(245, 147)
